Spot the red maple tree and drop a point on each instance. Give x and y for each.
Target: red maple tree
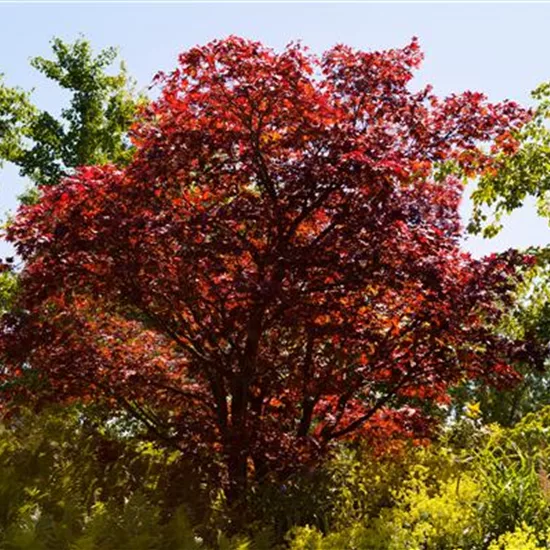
(279, 267)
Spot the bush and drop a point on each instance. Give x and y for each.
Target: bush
(522, 538)
(425, 516)
(70, 480)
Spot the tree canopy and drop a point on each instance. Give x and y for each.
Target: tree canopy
(520, 170)
(92, 129)
(278, 267)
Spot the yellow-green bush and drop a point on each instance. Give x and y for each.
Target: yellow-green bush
(523, 538)
(70, 482)
(423, 517)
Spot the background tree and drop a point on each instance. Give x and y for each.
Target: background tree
(278, 268)
(520, 171)
(92, 129)
(527, 318)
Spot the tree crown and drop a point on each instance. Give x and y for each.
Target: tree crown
(279, 266)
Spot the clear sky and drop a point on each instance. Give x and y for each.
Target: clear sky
(502, 50)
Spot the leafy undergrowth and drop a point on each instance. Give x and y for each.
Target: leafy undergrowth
(70, 480)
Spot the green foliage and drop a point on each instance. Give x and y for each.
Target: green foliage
(527, 317)
(8, 288)
(16, 113)
(523, 538)
(497, 497)
(513, 490)
(502, 189)
(433, 507)
(92, 129)
(513, 469)
(76, 479)
(514, 178)
(352, 484)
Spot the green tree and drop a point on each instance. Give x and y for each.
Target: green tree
(36, 473)
(528, 317)
(92, 129)
(502, 189)
(513, 178)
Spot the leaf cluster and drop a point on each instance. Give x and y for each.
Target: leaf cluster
(92, 129)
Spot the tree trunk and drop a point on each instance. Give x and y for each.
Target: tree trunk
(236, 494)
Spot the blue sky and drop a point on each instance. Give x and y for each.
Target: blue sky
(502, 50)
